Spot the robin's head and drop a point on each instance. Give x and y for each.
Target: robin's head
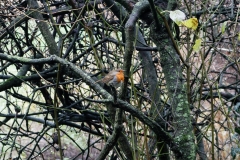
(120, 71)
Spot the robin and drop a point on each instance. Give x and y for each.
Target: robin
(113, 78)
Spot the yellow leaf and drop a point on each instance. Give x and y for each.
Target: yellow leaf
(224, 27)
(191, 23)
(197, 45)
(239, 36)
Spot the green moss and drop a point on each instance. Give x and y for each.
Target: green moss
(178, 109)
(185, 115)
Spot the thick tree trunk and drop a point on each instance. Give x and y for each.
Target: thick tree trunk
(170, 62)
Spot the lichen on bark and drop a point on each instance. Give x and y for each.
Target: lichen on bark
(170, 63)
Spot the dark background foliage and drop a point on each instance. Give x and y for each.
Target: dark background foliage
(175, 103)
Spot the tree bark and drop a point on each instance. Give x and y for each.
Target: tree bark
(170, 63)
(44, 28)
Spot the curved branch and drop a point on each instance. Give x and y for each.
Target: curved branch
(158, 130)
(120, 103)
(53, 58)
(112, 140)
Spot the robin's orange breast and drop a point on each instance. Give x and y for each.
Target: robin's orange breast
(113, 78)
(120, 76)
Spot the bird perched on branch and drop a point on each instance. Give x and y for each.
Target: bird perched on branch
(113, 78)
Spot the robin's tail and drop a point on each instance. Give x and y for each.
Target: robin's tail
(98, 81)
